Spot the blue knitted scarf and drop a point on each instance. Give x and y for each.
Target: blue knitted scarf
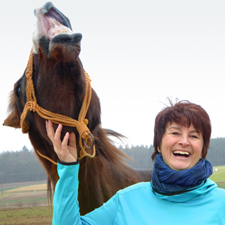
(167, 181)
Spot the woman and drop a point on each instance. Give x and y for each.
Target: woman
(180, 191)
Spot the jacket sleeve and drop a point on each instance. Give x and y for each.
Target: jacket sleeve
(65, 201)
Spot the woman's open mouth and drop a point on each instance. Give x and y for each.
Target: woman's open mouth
(181, 153)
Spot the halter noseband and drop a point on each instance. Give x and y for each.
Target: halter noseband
(80, 124)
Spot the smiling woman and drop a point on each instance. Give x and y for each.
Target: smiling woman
(183, 115)
(182, 136)
(180, 178)
(181, 146)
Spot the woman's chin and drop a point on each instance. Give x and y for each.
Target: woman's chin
(180, 165)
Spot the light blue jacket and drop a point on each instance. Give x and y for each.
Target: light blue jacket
(139, 204)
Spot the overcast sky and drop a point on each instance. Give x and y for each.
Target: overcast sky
(137, 54)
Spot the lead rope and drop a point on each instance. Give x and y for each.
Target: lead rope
(80, 124)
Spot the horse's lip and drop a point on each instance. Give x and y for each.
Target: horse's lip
(51, 11)
(51, 21)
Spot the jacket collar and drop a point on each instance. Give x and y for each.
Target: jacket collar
(191, 194)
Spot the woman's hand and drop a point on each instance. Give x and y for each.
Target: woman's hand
(66, 152)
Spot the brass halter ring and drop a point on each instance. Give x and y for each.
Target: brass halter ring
(92, 141)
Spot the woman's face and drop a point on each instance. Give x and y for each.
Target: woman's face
(181, 146)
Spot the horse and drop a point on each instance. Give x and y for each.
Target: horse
(60, 86)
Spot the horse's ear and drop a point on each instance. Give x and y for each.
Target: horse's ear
(65, 47)
(13, 120)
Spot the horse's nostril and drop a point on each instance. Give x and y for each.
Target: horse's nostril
(77, 37)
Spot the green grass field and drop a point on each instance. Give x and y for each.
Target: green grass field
(19, 195)
(28, 216)
(219, 176)
(25, 204)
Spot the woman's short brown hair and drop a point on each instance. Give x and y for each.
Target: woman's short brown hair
(183, 113)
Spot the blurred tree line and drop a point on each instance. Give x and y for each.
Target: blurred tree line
(23, 165)
(216, 152)
(20, 166)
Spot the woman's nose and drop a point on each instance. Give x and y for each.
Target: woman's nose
(184, 141)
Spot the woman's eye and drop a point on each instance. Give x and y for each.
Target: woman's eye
(194, 136)
(175, 133)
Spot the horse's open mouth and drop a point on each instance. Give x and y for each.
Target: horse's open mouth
(51, 22)
(55, 28)
(53, 31)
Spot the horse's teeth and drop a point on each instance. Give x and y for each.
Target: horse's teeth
(63, 31)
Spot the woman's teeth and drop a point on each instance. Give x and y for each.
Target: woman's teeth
(181, 153)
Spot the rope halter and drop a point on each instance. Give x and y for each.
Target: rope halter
(80, 124)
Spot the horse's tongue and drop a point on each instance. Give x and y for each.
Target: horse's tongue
(53, 27)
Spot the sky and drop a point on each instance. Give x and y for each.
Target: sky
(137, 53)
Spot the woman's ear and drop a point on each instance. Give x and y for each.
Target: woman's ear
(201, 156)
(158, 149)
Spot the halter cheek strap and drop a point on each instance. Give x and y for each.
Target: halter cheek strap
(85, 135)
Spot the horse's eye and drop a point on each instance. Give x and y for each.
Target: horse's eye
(17, 91)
